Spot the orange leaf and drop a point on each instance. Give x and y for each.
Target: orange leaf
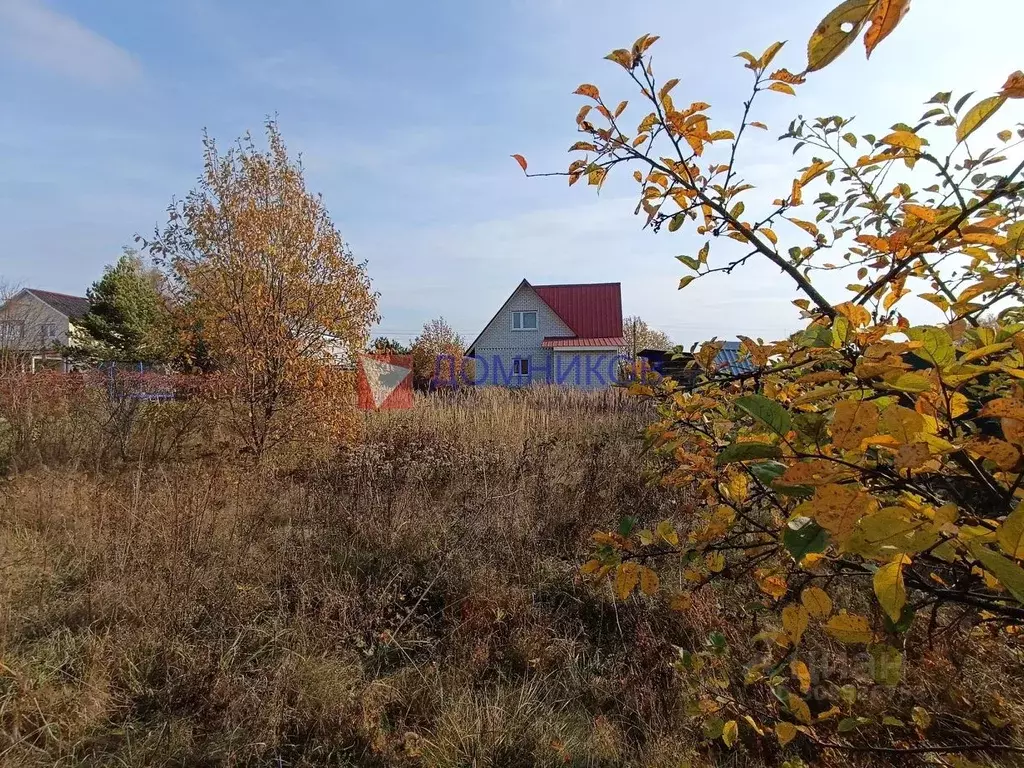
(757, 124)
(785, 76)
(1014, 86)
(853, 421)
(888, 13)
(521, 160)
(588, 90)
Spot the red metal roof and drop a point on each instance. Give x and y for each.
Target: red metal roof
(554, 342)
(591, 310)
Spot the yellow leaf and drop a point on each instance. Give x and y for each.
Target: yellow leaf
(588, 90)
(770, 235)
(835, 32)
(716, 562)
(729, 733)
(749, 58)
(667, 533)
(589, 567)
(794, 621)
(681, 602)
(888, 13)
(924, 214)
(769, 54)
(753, 724)
(806, 226)
(904, 139)
(796, 196)
(817, 602)
(738, 487)
(889, 587)
(648, 581)
(643, 43)
(814, 171)
(977, 115)
(786, 732)
(982, 238)
(849, 628)
(622, 57)
(802, 674)
(1010, 534)
(902, 423)
(799, 709)
(626, 578)
(782, 88)
(853, 421)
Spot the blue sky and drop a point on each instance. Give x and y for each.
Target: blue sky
(406, 113)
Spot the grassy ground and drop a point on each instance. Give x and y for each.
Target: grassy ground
(411, 600)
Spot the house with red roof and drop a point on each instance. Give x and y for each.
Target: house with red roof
(553, 334)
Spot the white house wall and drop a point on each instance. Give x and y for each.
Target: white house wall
(498, 345)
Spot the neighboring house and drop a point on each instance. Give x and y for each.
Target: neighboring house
(683, 368)
(35, 325)
(553, 334)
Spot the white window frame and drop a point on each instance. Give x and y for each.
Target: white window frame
(521, 366)
(519, 318)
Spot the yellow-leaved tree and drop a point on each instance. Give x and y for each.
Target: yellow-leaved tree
(865, 473)
(272, 296)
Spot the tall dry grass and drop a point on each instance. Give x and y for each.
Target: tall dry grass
(413, 600)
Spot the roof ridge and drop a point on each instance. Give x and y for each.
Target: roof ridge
(56, 293)
(568, 285)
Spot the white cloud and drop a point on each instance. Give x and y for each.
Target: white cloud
(32, 32)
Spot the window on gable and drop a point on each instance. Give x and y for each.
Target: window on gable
(12, 331)
(521, 366)
(49, 331)
(524, 321)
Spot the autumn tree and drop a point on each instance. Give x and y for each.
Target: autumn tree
(270, 289)
(640, 336)
(382, 345)
(129, 316)
(437, 355)
(866, 473)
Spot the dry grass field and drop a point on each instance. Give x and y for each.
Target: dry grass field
(409, 599)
